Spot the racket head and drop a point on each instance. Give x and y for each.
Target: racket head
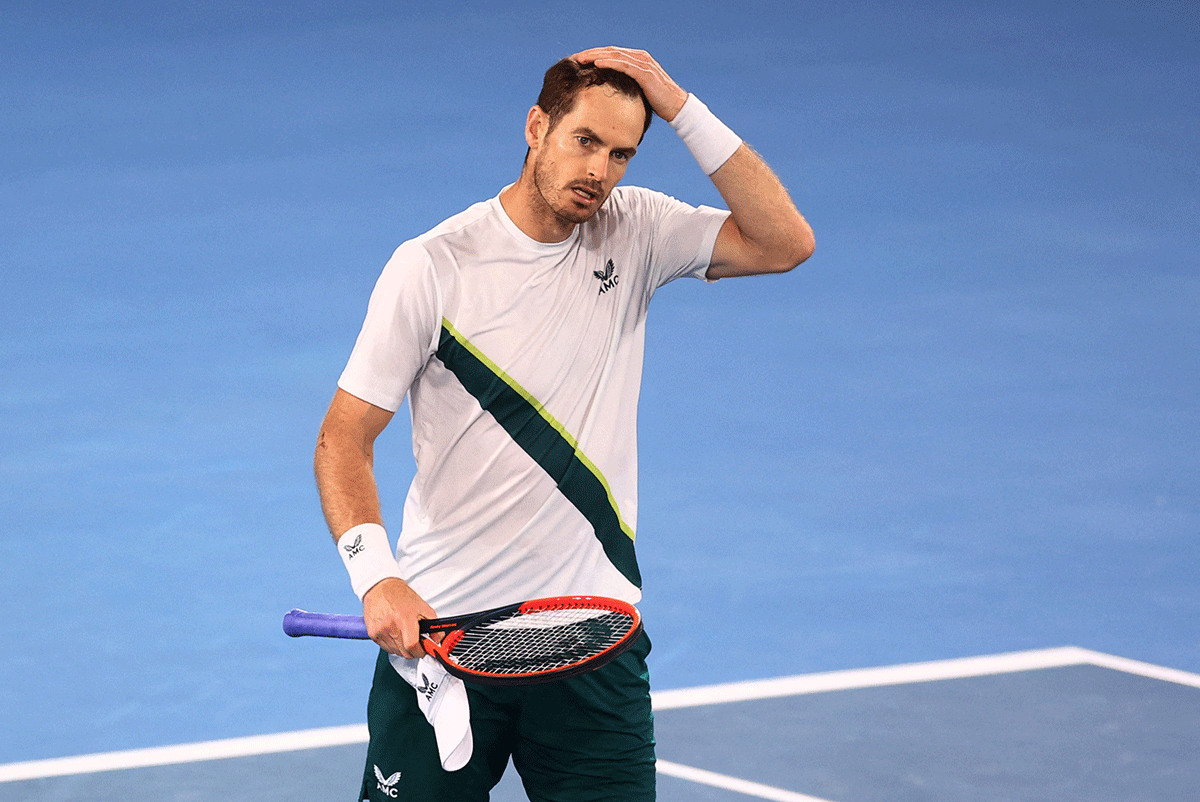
(542, 640)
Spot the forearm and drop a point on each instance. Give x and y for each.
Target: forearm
(344, 462)
(350, 497)
(765, 233)
(346, 483)
(765, 220)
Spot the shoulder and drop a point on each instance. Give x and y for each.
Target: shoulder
(628, 211)
(447, 242)
(639, 204)
(633, 200)
(460, 225)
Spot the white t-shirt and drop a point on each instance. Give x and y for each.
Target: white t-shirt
(523, 362)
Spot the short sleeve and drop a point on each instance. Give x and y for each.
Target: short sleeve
(682, 236)
(398, 335)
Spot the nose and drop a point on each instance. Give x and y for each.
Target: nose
(598, 166)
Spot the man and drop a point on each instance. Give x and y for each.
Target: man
(516, 328)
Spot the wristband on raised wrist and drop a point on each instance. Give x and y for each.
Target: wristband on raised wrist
(368, 557)
(710, 140)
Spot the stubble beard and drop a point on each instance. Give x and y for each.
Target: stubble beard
(563, 211)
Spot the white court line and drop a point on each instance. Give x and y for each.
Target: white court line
(662, 700)
(1141, 669)
(961, 668)
(728, 783)
(872, 677)
(185, 753)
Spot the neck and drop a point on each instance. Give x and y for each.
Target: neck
(528, 210)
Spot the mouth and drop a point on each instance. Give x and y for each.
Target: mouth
(584, 194)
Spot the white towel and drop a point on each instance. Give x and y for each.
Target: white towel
(443, 700)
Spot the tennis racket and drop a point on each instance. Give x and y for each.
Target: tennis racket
(520, 644)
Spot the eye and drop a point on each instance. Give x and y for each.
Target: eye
(583, 140)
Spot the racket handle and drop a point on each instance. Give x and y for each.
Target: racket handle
(326, 625)
(330, 625)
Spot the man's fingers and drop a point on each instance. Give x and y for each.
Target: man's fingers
(665, 96)
(397, 639)
(393, 613)
(589, 55)
(619, 58)
(412, 651)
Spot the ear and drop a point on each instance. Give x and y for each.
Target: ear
(536, 125)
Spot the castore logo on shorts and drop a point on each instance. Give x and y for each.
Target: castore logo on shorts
(386, 785)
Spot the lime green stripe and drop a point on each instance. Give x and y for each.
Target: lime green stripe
(537, 432)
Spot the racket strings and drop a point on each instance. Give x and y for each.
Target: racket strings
(539, 641)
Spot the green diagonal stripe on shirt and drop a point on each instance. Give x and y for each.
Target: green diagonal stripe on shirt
(544, 439)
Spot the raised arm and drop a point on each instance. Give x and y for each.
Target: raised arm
(344, 466)
(765, 233)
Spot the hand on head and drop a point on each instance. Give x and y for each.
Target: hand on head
(665, 96)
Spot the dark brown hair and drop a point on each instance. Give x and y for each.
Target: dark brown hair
(566, 79)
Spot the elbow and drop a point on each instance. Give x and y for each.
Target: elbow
(799, 248)
(805, 246)
(803, 242)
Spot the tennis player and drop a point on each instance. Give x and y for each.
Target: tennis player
(516, 329)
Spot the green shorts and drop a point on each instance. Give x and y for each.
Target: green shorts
(588, 738)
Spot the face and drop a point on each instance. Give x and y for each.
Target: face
(577, 163)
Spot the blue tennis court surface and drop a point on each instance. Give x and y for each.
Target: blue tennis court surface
(1058, 724)
(967, 426)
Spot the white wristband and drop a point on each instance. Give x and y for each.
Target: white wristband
(368, 557)
(710, 140)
